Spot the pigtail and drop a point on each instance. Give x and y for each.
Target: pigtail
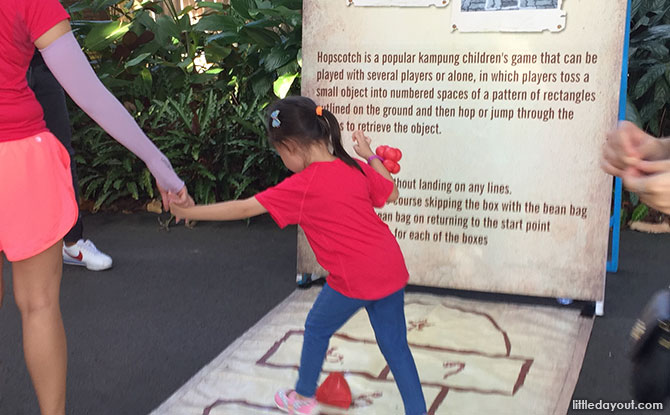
(299, 119)
(334, 132)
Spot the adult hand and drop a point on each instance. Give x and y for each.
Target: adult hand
(164, 197)
(362, 145)
(651, 181)
(626, 146)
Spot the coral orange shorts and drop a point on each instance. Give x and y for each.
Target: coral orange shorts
(37, 202)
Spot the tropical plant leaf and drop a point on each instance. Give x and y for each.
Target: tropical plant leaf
(206, 117)
(661, 92)
(132, 189)
(660, 32)
(137, 60)
(658, 49)
(277, 58)
(168, 27)
(634, 198)
(263, 37)
(104, 34)
(645, 83)
(210, 5)
(632, 114)
(261, 84)
(217, 23)
(242, 7)
(639, 213)
(283, 84)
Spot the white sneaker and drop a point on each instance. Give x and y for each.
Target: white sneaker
(85, 254)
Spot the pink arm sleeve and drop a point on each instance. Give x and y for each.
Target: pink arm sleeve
(72, 70)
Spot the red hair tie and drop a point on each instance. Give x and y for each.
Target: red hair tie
(319, 110)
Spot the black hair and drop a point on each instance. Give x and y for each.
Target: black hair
(297, 120)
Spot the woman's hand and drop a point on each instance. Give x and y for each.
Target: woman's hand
(628, 145)
(171, 200)
(362, 145)
(651, 181)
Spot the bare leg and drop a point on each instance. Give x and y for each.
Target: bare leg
(36, 290)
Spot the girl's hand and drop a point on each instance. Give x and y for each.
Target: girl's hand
(362, 145)
(179, 212)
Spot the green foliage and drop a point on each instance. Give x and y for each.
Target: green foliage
(218, 149)
(649, 65)
(198, 88)
(639, 213)
(648, 78)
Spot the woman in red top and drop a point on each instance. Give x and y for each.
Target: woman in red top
(37, 203)
(332, 197)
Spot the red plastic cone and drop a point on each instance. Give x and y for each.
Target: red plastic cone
(334, 391)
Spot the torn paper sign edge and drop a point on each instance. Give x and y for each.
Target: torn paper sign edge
(398, 3)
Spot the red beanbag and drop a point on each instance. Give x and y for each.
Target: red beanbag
(335, 391)
(391, 158)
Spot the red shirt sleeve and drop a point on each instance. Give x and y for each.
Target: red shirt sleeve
(380, 186)
(284, 202)
(41, 15)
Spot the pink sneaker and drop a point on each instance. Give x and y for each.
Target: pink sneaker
(287, 400)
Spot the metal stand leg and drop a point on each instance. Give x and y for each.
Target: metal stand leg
(600, 308)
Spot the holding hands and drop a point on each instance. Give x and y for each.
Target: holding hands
(642, 161)
(181, 198)
(176, 203)
(182, 206)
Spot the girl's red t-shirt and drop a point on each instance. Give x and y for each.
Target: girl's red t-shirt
(21, 23)
(334, 204)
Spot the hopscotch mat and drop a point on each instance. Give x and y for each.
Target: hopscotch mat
(474, 358)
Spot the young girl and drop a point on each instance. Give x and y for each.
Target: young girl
(333, 197)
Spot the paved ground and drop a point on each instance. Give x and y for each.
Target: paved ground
(172, 302)
(643, 270)
(175, 300)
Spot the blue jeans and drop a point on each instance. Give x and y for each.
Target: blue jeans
(387, 316)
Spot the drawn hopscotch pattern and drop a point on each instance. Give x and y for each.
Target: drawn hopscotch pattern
(445, 368)
(473, 359)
